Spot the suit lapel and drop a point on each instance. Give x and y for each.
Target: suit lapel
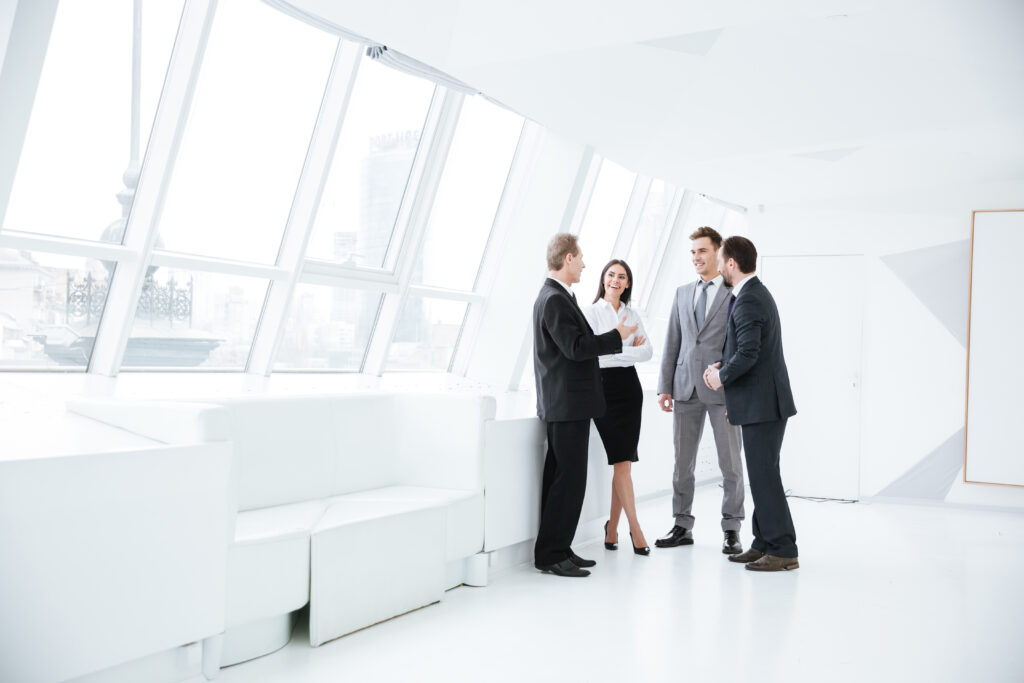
(551, 282)
(720, 298)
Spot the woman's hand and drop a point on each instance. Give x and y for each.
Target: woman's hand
(639, 340)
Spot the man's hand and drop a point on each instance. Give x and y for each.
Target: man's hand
(639, 340)
(624, 329)
(711, 377)
(665, 401)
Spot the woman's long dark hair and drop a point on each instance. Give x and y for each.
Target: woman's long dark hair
(604, 271)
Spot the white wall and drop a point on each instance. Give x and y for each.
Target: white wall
(914, 358)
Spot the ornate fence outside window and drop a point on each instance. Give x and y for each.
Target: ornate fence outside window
(171, 302)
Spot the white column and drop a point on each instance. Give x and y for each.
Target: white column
(549, 188)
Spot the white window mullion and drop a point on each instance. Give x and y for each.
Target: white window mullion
(213, 264)
(20, 70)
(103, 251)
(442, 293)
(143, 221)
(631, 218)
(447, 115)
(304, 206)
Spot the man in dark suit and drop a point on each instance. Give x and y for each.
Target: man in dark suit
(758, 397)
(569, 394)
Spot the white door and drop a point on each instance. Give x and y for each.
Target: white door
(820, 300)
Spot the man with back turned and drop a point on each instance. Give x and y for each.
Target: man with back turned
(569, 394)
(758, 397)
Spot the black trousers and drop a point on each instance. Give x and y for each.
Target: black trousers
(561, 497)
(772, 523)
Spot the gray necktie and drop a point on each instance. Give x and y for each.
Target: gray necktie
(702, 304)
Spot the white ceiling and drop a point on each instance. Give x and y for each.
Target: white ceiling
(904, 105)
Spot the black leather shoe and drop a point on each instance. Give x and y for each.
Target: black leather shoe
(731, 544)
(677, 536)
(579, 561)
(563, 568)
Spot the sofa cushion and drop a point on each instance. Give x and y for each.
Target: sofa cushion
(285, 451)
(441, 440)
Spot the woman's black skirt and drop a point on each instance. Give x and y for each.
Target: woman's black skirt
(620, 426)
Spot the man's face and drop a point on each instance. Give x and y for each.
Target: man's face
(575, 266)
(725, 268)
(704, 257)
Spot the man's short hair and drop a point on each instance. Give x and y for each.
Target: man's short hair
(560, 245)
(742, 251)
(710, 233)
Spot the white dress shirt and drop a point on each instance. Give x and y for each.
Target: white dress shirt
(602, 317)
(716, 283)
(736, 288)
(565, 286)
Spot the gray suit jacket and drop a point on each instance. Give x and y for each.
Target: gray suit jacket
(688, 351)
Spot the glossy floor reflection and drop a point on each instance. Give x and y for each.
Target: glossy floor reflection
(885, 593)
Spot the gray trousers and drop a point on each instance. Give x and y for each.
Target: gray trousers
(688, 422)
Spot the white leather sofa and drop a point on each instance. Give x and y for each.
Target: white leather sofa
(109, 558)
(364, 505)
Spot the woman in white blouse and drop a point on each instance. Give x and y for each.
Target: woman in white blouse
(620, 426)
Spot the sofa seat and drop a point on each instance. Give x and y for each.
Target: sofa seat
(360, 574)
(268, 574)
(464, 528)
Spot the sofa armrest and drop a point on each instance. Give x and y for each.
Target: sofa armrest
(165, 421)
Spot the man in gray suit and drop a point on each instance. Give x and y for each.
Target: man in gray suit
(696, 335)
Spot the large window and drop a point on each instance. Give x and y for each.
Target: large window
(258, 94)
(192, 319)
(601, 224)
(328, 328)
(467, 198)
(50, 307)
(370, 171)
(426, 334)
(79, 142)
(399, 252)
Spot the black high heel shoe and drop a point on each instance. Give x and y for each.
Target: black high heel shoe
(639, 551)
(607, 545)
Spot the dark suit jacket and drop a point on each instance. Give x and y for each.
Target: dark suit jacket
(565, 351)
(753, 371)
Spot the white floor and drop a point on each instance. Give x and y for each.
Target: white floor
(884, 593)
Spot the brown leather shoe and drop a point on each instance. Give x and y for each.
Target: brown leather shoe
(749, 556)
(773, 563)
